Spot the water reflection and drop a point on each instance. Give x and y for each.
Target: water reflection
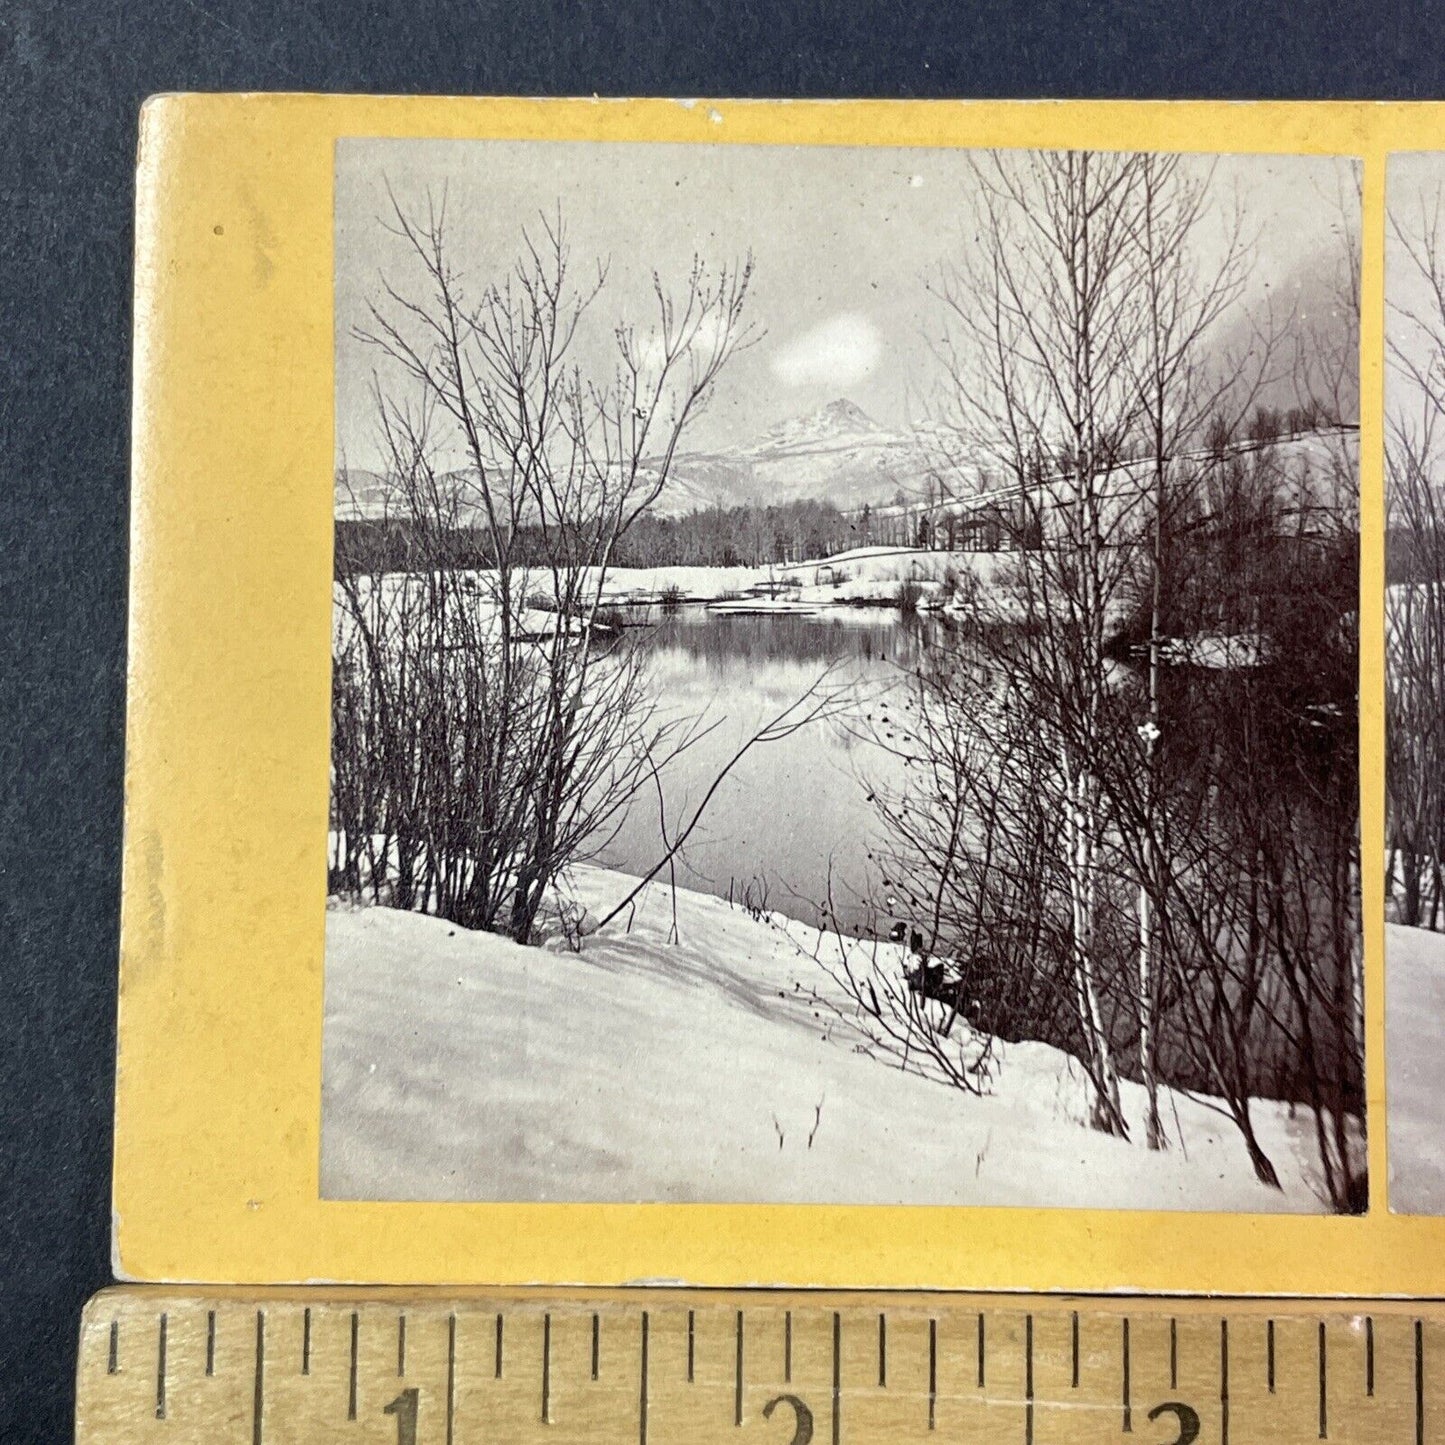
(792, 821)
(832, 634)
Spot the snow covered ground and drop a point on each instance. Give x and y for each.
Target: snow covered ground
(1415, 1066)
(864, 575)
(458, 1065)
(689, 584)
(859, 576)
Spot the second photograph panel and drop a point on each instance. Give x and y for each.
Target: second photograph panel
(1415, 678)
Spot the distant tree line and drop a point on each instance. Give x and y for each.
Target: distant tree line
(748, 535)
(754, 534)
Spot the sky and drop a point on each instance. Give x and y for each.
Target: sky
(1415, 201)
(843, 241)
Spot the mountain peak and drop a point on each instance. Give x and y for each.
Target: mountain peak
(842, 409)
(836, 421)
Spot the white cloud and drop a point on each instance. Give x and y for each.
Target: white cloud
(837, 352)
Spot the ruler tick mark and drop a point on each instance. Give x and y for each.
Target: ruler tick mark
(306, 1341)
(738, 1375)
(1028, 1378)
(1074, 1331)
(596, 1343)
(1419, 1383)
(882, 1351)
(1224, 1382)
(642, 1402)
(497, 1370)
(1173, 1354)
(258, 1390)
(932, 1373)
(210, 1342)
(546, 1369)
(787, 1348)
(161, 1371)
(452, 1373)
(351, 1382)
(689, 1345)
(1324, 1393)
(401, 1344)
(112, 1364)
(1128, 1402)
(837, 1376)
(1369, 1355)
(980, 1351)
(1269, 1354)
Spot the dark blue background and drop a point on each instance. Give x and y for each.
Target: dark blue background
(71, 80)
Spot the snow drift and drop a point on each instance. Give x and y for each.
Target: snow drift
(461, 1066)
(1414, 1008)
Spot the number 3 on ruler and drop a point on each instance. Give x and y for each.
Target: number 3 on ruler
(404, 1408)
(1186, 1418)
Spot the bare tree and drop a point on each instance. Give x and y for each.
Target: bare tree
(969, 865)
(1182, 301)
(1046, 318)
(1172, 849)
(1415, 608)
(1254, 806)
(542, 736)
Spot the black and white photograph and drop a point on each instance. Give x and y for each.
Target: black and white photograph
(845, 677)
(1415, 679)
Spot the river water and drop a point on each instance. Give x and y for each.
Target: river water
(793, 814)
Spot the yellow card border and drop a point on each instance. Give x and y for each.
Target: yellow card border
(218, 1083)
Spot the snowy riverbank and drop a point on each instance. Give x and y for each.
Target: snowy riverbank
(864, 576)
(1415, 1061)
(461, 1066)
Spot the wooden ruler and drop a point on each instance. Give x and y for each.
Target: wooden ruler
(649, 1367)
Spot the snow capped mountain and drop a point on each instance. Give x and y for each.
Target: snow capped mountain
(360, 495)
(836, 454)
(841, 423)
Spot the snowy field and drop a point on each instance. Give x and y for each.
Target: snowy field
(863, 576)
(460, 1066)
(860, 577)
(1415, 1062)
